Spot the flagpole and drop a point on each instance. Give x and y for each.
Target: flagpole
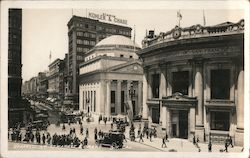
(134, 38)
(204, 18)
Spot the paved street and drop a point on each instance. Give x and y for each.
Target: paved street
(180, 145)
(174, 144)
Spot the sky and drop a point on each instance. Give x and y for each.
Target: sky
(45, 30)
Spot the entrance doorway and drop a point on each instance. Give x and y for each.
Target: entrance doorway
(179, 123)
(155, 115)
(183, 124)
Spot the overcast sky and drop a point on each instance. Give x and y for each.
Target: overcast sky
(45, 30)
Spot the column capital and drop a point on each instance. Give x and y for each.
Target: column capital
(107, 81)
(119, 81)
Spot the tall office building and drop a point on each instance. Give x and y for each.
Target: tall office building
(83, 35)
(17, 107)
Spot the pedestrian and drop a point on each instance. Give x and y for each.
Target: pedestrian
(95, 131)
(210, 146)
(139, 132)
(95, 136)
(194, 140)
(87, 133)
(197, 141)
(124, 138)
(164, 145)
(99, 133)
(85, 141)
(150, 136)
(48, 139)
(63, 127)
(141, 135)
(230, 141)
(105, 120)
(167, 137)
(111, 125)
(81, 130)
(147, 133)
(226, 146)
(43, 138)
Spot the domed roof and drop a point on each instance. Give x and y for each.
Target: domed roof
(117, 40)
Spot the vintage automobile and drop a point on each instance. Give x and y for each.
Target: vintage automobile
(113, 139)
(121, 120)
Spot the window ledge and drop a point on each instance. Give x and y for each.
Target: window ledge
(219, 132)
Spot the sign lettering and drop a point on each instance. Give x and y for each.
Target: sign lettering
(107, 17)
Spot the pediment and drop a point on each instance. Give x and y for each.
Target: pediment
(179, 97)
(130, 67)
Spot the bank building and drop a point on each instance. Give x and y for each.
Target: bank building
(111, 73)
(193, 81)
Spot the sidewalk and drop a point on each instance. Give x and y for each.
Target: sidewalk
(183, 145)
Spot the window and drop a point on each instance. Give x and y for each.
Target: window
(155, 85)
(113, 101)
(79, 33)
(220, 84)
(86, 34)
(86, 26)
(113, 97)
(79, 41)
(92, 35)
(220, 120)
(180, 82)
(121, 55)
(86, 42)
(130, 56)
(92, 43)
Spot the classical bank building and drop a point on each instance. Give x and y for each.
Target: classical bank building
(109, 75)
(193, 81)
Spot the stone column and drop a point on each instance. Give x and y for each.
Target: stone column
(139, 103)
(145, 97)
(163, 92)
(128, 89)
(198, 85)
(108, 99)
(118, 97)
(192, 122)
(239, 135)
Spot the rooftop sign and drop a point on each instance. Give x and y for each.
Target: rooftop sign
(107, 17)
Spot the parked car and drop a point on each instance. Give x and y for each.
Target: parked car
(112, 139)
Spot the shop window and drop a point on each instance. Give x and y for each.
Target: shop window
(180, 82)
(220, 121)
(220, 84)
(155, 85)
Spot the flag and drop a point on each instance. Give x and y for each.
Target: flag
(179, 15)
(204, 19)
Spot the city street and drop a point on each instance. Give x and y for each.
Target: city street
(178, 145)
(173, 145)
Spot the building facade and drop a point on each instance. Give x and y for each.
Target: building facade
(55, 80)
(17, 107)
(111, 74)
(42, 85)
(194, 81)
(83, 35)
